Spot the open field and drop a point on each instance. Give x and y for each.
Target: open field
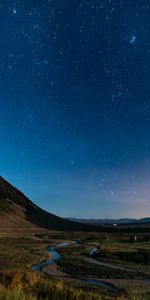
(18, 254)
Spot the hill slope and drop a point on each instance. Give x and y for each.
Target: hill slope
(17, 211)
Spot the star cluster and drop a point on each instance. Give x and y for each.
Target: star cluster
(75, 104)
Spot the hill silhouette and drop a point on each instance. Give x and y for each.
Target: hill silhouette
(17, 211)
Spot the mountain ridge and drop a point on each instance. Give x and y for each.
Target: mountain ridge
(17, 210)
(111, 221)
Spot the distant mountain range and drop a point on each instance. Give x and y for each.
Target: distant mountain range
(110, 221)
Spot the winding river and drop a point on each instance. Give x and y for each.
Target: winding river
(55, 257)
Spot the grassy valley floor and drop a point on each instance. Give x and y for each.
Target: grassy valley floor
(18, 252)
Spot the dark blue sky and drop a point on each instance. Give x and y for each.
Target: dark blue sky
(75, 104)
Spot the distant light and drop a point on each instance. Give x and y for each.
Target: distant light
(115, 225)
(14, 11)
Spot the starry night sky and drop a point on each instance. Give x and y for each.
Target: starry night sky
(75, 104)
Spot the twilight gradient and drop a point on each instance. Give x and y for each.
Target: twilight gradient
(75, 105)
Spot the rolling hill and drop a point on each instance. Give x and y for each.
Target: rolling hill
(17, 211)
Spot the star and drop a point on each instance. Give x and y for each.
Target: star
(112, 193)
(133, 40)
(14, 11)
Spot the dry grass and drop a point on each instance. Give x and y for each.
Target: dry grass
(33, 286)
